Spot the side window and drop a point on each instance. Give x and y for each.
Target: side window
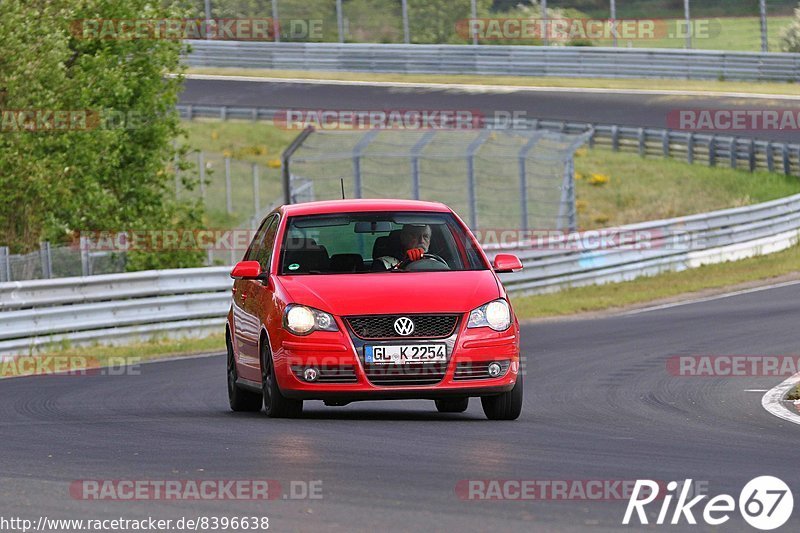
(264, 254)
(258, 240)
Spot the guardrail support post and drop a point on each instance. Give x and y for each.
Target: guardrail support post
(228, 192)
(751, 155)
(770, 158)
(641, 139)
(665, 142)
(734, 153)
(47, 264)
(690, 148)
(189, 112)
(787, 163)
(615, 138)
(712, 151)
(5, 264)
(223, 113)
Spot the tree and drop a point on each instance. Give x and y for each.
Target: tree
(790, 36)
(111, 170)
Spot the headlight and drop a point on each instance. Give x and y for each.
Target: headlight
(495, 315)
(302, 320)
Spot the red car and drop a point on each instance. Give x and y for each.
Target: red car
(353, 300)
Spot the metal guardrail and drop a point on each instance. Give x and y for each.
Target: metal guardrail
(713, 150)
(192, 301)
(577, 62)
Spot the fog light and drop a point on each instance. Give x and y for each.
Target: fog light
(494, 370)
(310, 374)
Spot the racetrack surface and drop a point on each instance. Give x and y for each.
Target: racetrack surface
(639, 110)
(599, 405)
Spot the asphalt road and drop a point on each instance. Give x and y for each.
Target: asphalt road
(641, 110)
(599, 405)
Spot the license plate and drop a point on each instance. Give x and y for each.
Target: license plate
(402, 355)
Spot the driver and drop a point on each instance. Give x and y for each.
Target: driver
(415, 239)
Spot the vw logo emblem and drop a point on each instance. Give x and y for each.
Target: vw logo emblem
(404, 326)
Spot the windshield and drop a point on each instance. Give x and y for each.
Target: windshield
(377, 242)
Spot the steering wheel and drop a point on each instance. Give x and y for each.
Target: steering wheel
(402, 265)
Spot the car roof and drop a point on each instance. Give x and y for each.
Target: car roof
(351, 206)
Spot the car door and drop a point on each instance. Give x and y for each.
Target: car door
(258, 302)
(243, 324)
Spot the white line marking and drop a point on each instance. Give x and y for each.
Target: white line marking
(773, 400)
(711, 298)
(755, 390)
(477, 88)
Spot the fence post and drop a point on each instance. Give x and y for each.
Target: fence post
(594, 133)
(5, 264)
(523, 181)
(690, 148)
(44, 255)
(357, 151)
(276, 32)
(615, 138)
(415, 153)
(256, 194)
(472, 196)
(406, 34)
(228, 192)
(86, 265)
(286, 156)
(201, 164)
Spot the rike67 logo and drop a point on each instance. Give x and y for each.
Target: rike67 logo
(765, 503)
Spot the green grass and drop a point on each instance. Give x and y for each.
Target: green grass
(99, 356)
(738, 34)
(520, 81)
(794, 394)
(651, 189)
(643, 290)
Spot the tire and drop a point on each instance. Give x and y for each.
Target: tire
(506, 406)
(241, 400)
(452, 405)
(276, 404)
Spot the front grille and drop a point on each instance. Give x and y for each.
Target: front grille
(329, 374)
(478, 370)
(406, 375)
(382, 326)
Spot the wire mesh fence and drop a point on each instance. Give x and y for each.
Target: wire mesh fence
(493, 178)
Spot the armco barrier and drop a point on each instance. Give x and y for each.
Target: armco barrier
(559, 61)
(120, 307)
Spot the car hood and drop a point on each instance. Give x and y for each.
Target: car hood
(388, 293)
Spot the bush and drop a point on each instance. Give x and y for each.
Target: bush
(790, 36)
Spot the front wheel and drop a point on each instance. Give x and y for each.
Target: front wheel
(239, 398)
(457, 405)
(506, 406)
(275, 403)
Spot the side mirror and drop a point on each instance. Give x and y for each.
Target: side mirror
(506, 263)
(246, 270)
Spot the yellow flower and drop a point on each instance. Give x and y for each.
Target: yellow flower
(581, 152)
(601, 219)
(274, 163)
(227, 153)
(581, 205)
(214, 135)
(578, 176)
(598, 179)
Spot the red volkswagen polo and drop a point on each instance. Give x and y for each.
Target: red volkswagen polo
(368, 300)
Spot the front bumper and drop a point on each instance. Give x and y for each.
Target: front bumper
(341, 354)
